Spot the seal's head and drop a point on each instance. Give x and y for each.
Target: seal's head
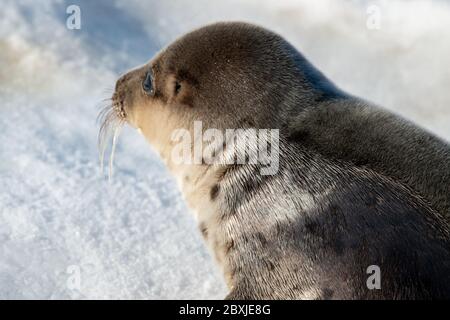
(227, 75)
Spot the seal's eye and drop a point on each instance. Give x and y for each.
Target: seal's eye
(147, 85)
(177, 87)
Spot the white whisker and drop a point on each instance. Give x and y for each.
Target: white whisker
(111, 125)
(117, 130)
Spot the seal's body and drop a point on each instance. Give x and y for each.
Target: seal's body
(370, 137)
(354, 187)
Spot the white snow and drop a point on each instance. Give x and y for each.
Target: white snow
(134, 237)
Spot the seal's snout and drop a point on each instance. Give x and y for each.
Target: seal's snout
(119, 105)
(120, 96)
(126, 94)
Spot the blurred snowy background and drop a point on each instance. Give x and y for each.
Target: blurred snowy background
(134, 237)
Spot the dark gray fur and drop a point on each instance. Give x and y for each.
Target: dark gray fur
(357, 218)
(379, 184)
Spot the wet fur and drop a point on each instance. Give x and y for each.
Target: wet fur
(357, 185)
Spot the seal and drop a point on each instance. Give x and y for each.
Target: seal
(356, 187)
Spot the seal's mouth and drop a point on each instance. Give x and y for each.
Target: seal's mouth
(120, 110)
(119, 107)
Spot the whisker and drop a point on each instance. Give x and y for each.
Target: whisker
(117, 130)
(102, 149)
(108, 90)
(110, 126)
(107, 124)
(103, 112)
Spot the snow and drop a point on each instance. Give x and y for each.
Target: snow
(133, 237)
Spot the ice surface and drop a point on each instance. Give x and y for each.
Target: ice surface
(134, 237)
